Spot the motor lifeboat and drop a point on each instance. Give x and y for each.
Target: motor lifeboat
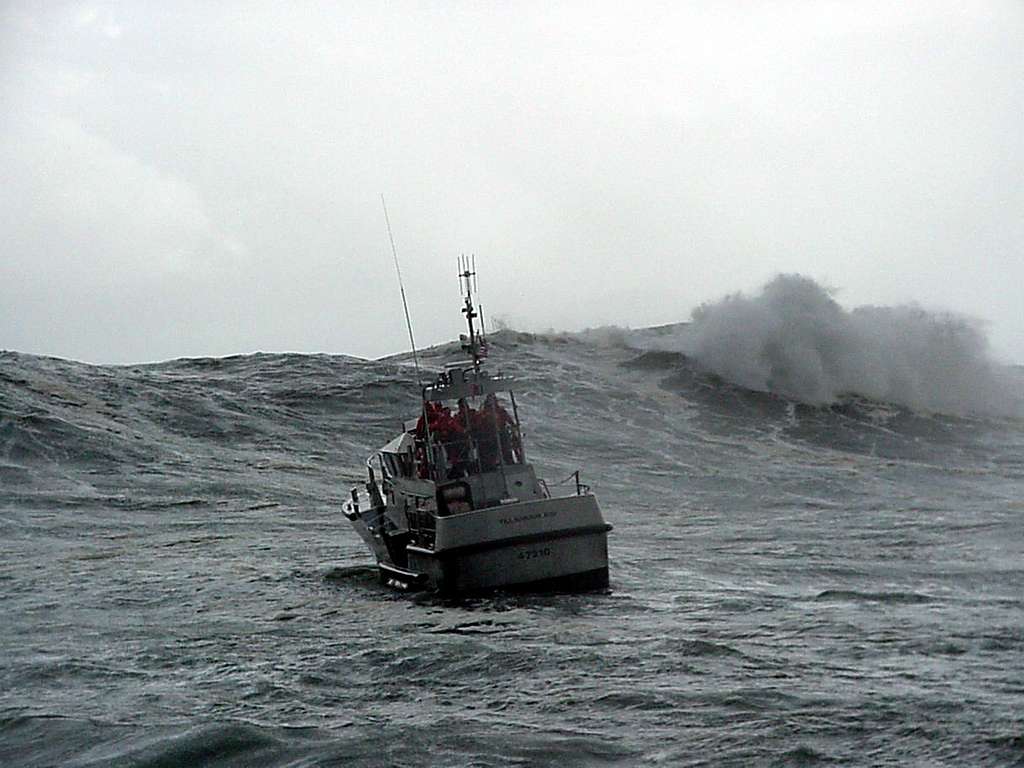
(453, 504)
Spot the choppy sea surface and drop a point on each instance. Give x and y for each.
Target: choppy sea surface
(799, 585)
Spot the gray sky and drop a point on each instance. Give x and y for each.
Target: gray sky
(205, 178)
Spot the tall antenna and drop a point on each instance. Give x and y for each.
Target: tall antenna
(401, 287)
(479, 306)
(473, 344)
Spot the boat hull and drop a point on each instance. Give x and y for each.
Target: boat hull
(574, 564)
(550, 544)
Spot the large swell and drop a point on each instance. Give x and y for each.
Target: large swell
(794, 339)
(792, 584)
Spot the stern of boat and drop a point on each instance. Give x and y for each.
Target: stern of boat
(556, 543)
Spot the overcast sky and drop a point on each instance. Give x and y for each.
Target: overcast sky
(205, 178)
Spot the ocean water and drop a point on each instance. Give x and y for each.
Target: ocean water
(831, 582)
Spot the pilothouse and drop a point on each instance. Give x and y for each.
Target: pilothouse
(453, 504)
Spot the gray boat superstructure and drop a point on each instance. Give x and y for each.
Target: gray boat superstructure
(452, 503)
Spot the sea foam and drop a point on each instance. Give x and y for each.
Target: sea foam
(794, 339)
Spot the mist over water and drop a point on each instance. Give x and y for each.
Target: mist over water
(793, 339)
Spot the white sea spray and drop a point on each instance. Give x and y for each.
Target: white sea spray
(794, 339)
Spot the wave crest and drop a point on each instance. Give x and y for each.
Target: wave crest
(795, 340)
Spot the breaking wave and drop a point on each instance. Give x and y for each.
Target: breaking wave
(793, 339)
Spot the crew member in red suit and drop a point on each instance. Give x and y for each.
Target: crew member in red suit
(436, 417)
(457, 439)
(495, 426)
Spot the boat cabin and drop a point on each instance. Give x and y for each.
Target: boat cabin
(466, 447)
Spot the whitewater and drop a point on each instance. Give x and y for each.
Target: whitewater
(818, 556)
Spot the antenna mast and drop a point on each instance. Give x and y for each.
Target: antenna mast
(475, 345)
(401, 287)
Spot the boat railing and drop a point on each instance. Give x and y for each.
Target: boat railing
(581, 487)
(469, 455)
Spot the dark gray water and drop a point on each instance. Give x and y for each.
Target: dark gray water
(790, 585)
